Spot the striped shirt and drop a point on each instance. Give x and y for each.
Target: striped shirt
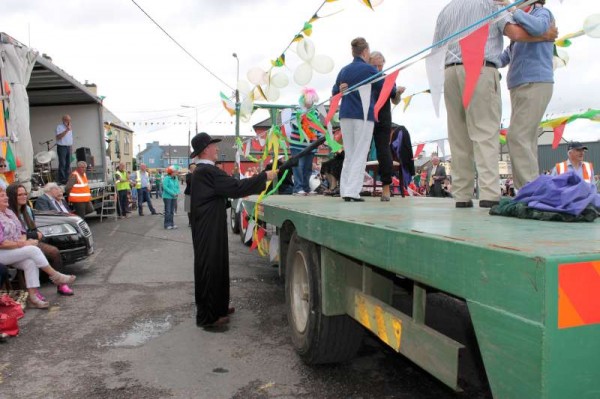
(459, 14)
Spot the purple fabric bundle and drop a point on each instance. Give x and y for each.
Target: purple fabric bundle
(566, 193)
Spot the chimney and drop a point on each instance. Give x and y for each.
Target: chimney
(91, 87)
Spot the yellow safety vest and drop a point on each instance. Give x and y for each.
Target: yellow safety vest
(124, 183)
(138, 179)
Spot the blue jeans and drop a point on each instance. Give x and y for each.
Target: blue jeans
(143, 195)
(169, 207)
(302, 173)
(64, 163)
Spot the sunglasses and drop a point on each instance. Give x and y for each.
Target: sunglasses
(3, 166)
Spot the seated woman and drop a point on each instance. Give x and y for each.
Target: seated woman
(332, 170)
(17, 202)
(22, 253)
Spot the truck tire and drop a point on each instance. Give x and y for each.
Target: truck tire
(234, 221)
(243, 218)
(317, 338)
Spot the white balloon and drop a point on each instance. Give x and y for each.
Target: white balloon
(305, 49)
(256, 76)
(280, 80)
(561, 60)
(591, 26)
(247, 107)
(322, 63)
(303, 74)
(272, 93)
(374, 3)
(244, 87)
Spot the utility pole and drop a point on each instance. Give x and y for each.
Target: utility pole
(237, 112)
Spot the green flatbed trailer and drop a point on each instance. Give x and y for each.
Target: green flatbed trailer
(532, 288)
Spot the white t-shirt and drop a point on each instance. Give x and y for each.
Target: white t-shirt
(67, 138)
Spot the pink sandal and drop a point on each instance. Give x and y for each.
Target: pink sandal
(64, 289)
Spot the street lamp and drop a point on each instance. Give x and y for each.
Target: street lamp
(196, 108)
(237, 110)
(189, 127)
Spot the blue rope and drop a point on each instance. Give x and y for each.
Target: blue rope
(458, 33)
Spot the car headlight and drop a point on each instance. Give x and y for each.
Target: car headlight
(57, 230)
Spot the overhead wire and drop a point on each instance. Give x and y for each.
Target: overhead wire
(181, 47)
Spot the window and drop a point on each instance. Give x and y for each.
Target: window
(126, 149)
(151, 161)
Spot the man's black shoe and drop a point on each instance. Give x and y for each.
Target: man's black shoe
(352, 199)
(464, 204)
(487, 204)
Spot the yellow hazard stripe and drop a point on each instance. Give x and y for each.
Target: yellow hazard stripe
(376, 319)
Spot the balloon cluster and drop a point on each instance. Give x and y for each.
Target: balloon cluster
(591, 28)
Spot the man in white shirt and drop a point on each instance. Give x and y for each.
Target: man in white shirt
(64, 142)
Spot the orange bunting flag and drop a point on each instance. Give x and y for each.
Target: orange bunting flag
(418, 150)
(333, 107)
(384, 96)
(558, 133)
(6, 88)
(257, 239)
(473, 49)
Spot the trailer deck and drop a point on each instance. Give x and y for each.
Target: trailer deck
(532, 288)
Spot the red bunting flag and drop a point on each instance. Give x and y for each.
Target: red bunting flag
(260, 234)
(384, 96)
(333, 107)
(418, 150)
(558, 133)
(473, 50)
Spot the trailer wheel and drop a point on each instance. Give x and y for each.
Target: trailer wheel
(317, 338)
(244, 220)
(234, 220)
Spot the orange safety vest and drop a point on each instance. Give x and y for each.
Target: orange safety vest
(80, 192)
(586, 167)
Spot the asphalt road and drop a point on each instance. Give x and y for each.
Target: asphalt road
(129, 332)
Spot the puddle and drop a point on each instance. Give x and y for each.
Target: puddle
(141, 332)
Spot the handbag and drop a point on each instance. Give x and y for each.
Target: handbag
(10, 313)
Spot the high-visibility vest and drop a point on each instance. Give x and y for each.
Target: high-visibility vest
(138, 179)
(124, 182)
(586, 167)
(80, 192)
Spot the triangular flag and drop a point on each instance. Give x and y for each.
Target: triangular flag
(558, 133)
(365, 99)
(473, 52)
(418, 150)
(441, 147)
(406, 100)
(435, 74)
(334, 103)
(384, 95)
(228, 104)
(274, 248)
(10, 159)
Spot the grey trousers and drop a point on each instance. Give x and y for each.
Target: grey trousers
(528, 103)
(473, 133)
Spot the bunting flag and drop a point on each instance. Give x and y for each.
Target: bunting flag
(384, 95)
(558, 133)
(434, 65)
(418, 150)
(441, 147)
(406, 100)
(333, 107)
(473, 49)
(365, 99)
(228, 104)
(279, 61)
(559, 124)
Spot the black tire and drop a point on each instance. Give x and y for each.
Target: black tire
(244, 214)
(234, 221)
(317, 338)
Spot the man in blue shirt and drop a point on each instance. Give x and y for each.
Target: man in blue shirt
(356, 119)
(530, 81)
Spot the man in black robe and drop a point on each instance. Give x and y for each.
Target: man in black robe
(210, 190)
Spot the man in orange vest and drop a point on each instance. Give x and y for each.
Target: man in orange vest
(77, 186)
(575, 163)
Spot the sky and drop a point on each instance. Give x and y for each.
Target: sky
(145, 77)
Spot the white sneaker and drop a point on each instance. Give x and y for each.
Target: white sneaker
(300, 193)
(169, 227)
(174, 227)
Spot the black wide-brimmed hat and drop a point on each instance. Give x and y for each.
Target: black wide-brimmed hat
(200, 142)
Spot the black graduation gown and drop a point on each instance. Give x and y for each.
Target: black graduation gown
(211, 187)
